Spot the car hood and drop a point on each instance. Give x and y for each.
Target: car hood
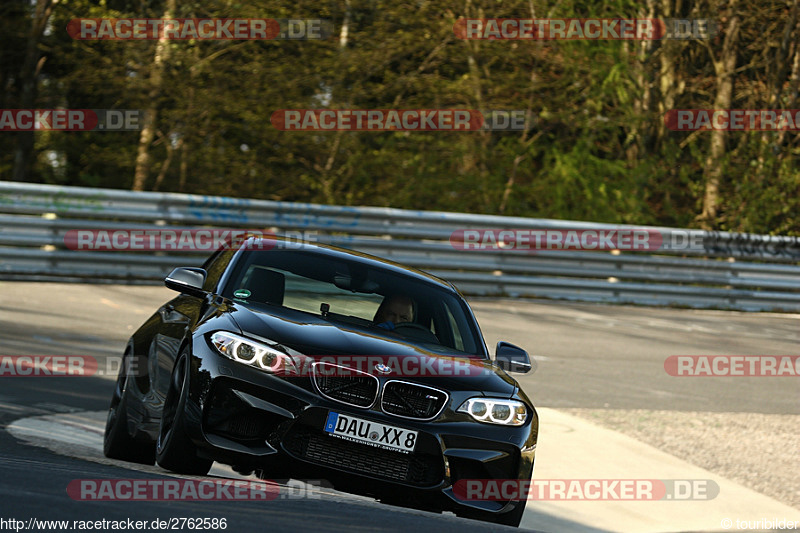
(314, 336)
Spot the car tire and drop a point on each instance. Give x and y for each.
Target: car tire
(175, 451)
(511, 518)
(117, 442)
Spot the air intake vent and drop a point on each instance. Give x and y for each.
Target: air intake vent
(422, 470)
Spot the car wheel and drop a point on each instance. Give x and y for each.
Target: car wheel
(174, 450)
(511, 518)
(117, 442)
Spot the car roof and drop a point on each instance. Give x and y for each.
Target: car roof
(351, 255)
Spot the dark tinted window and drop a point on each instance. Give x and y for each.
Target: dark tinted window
(350, 292)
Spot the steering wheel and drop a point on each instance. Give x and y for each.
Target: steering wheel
(415, 331)
(412, 325)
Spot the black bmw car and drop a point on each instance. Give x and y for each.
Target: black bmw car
(257, 364)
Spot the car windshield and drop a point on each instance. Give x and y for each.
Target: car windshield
(353, 293)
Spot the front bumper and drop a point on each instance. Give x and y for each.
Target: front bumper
(244, 417)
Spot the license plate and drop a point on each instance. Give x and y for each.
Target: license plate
(379, 435)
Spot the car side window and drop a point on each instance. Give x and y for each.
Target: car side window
(456, 334)
(445, 327)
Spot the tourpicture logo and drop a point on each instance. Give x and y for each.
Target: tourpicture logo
(640, 29)
(733, 119)
(181, 29)
(400, 120)
(762, 524)
(71, 119)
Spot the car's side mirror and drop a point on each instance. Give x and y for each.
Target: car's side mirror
(187, 280)
(512, 358)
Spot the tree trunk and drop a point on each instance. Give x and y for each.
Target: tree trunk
(143, 158)
(780, 68)
(327, 176)
(794, 77)
(669, 83)
(724, 67)
(32, 64)
(637, 139)
(512, 176)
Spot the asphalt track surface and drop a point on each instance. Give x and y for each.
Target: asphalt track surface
(587, 356)
(33, 482)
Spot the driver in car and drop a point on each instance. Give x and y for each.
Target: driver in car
(394, 309)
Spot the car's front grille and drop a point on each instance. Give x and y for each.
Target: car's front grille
(345, 385)
(410, 400)
(422, 470)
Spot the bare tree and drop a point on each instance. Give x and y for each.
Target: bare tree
(724, 67)
(149, 126)
(29, 74)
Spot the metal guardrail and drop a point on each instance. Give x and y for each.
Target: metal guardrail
(729, 270)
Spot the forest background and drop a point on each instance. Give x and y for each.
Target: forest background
(599, 149)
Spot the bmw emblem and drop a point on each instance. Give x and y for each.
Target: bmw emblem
(382, 369)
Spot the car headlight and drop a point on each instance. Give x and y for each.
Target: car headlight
(495, 411)
(253, 353)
